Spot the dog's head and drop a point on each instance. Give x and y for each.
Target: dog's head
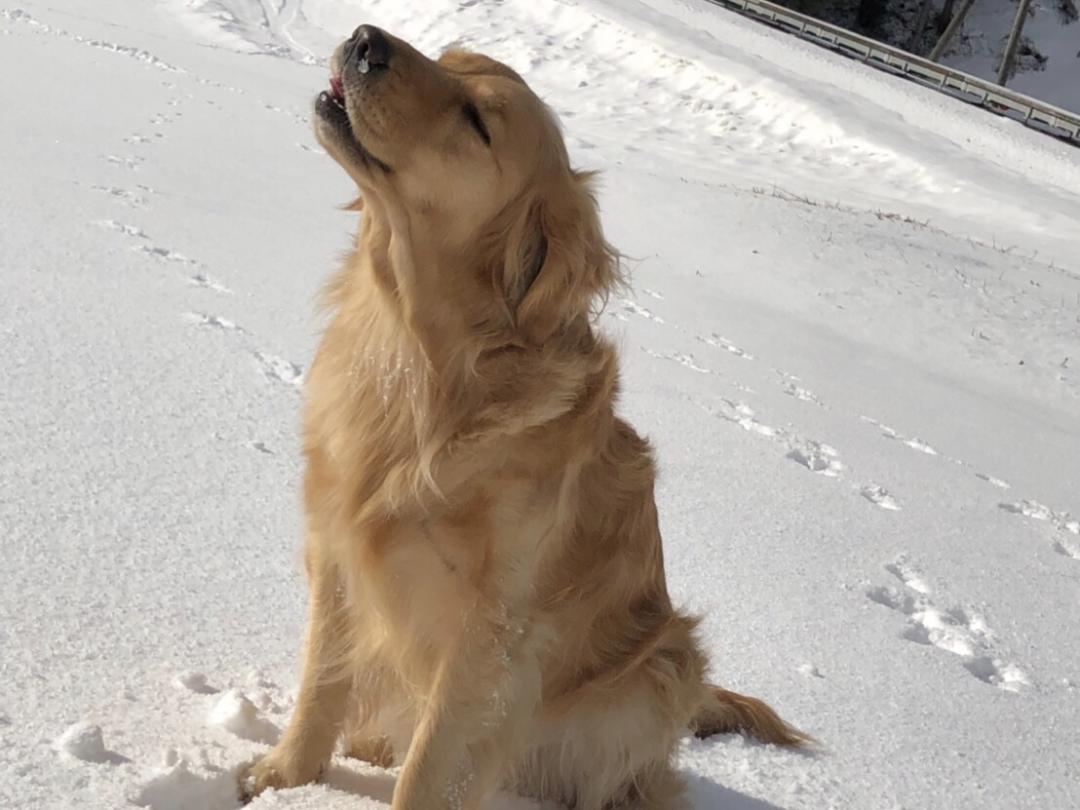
(467, 166)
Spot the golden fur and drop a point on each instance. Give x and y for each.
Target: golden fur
(488, 604)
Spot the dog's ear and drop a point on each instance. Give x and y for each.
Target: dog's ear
(557, 261)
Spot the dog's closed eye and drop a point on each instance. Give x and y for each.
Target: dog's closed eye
(472, 115)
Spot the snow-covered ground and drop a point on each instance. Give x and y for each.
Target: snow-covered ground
(854, 341)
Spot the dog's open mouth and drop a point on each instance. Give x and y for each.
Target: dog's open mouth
(330, 106)
(337, 90)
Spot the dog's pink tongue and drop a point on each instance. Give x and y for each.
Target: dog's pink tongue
(337, 87)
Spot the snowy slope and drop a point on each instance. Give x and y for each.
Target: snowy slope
(854, 341)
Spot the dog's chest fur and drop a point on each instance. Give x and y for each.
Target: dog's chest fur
(422, 520)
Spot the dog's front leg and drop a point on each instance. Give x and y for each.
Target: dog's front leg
(309, 740)
(483, 698)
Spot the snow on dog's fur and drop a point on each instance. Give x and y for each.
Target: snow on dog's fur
(488, 604)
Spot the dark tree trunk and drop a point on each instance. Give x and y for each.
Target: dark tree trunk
(914, 41)
(946, 14)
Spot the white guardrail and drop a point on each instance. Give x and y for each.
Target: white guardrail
(1029, 111)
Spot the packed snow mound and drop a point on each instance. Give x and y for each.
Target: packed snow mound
(235, 713)
(177, 787)
(85, 742)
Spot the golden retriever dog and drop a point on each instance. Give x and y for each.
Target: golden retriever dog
(488, 606)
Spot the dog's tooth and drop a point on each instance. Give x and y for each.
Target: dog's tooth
(364, 66)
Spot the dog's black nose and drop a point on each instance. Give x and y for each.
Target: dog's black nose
(370, 47)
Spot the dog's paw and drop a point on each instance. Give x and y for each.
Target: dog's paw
(276, 772)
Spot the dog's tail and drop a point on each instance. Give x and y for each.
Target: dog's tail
(724, 712)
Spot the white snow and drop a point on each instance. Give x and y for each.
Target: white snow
(84, 741)
(194, 682)
(176, 787)
(854, 345)
(235, 713)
